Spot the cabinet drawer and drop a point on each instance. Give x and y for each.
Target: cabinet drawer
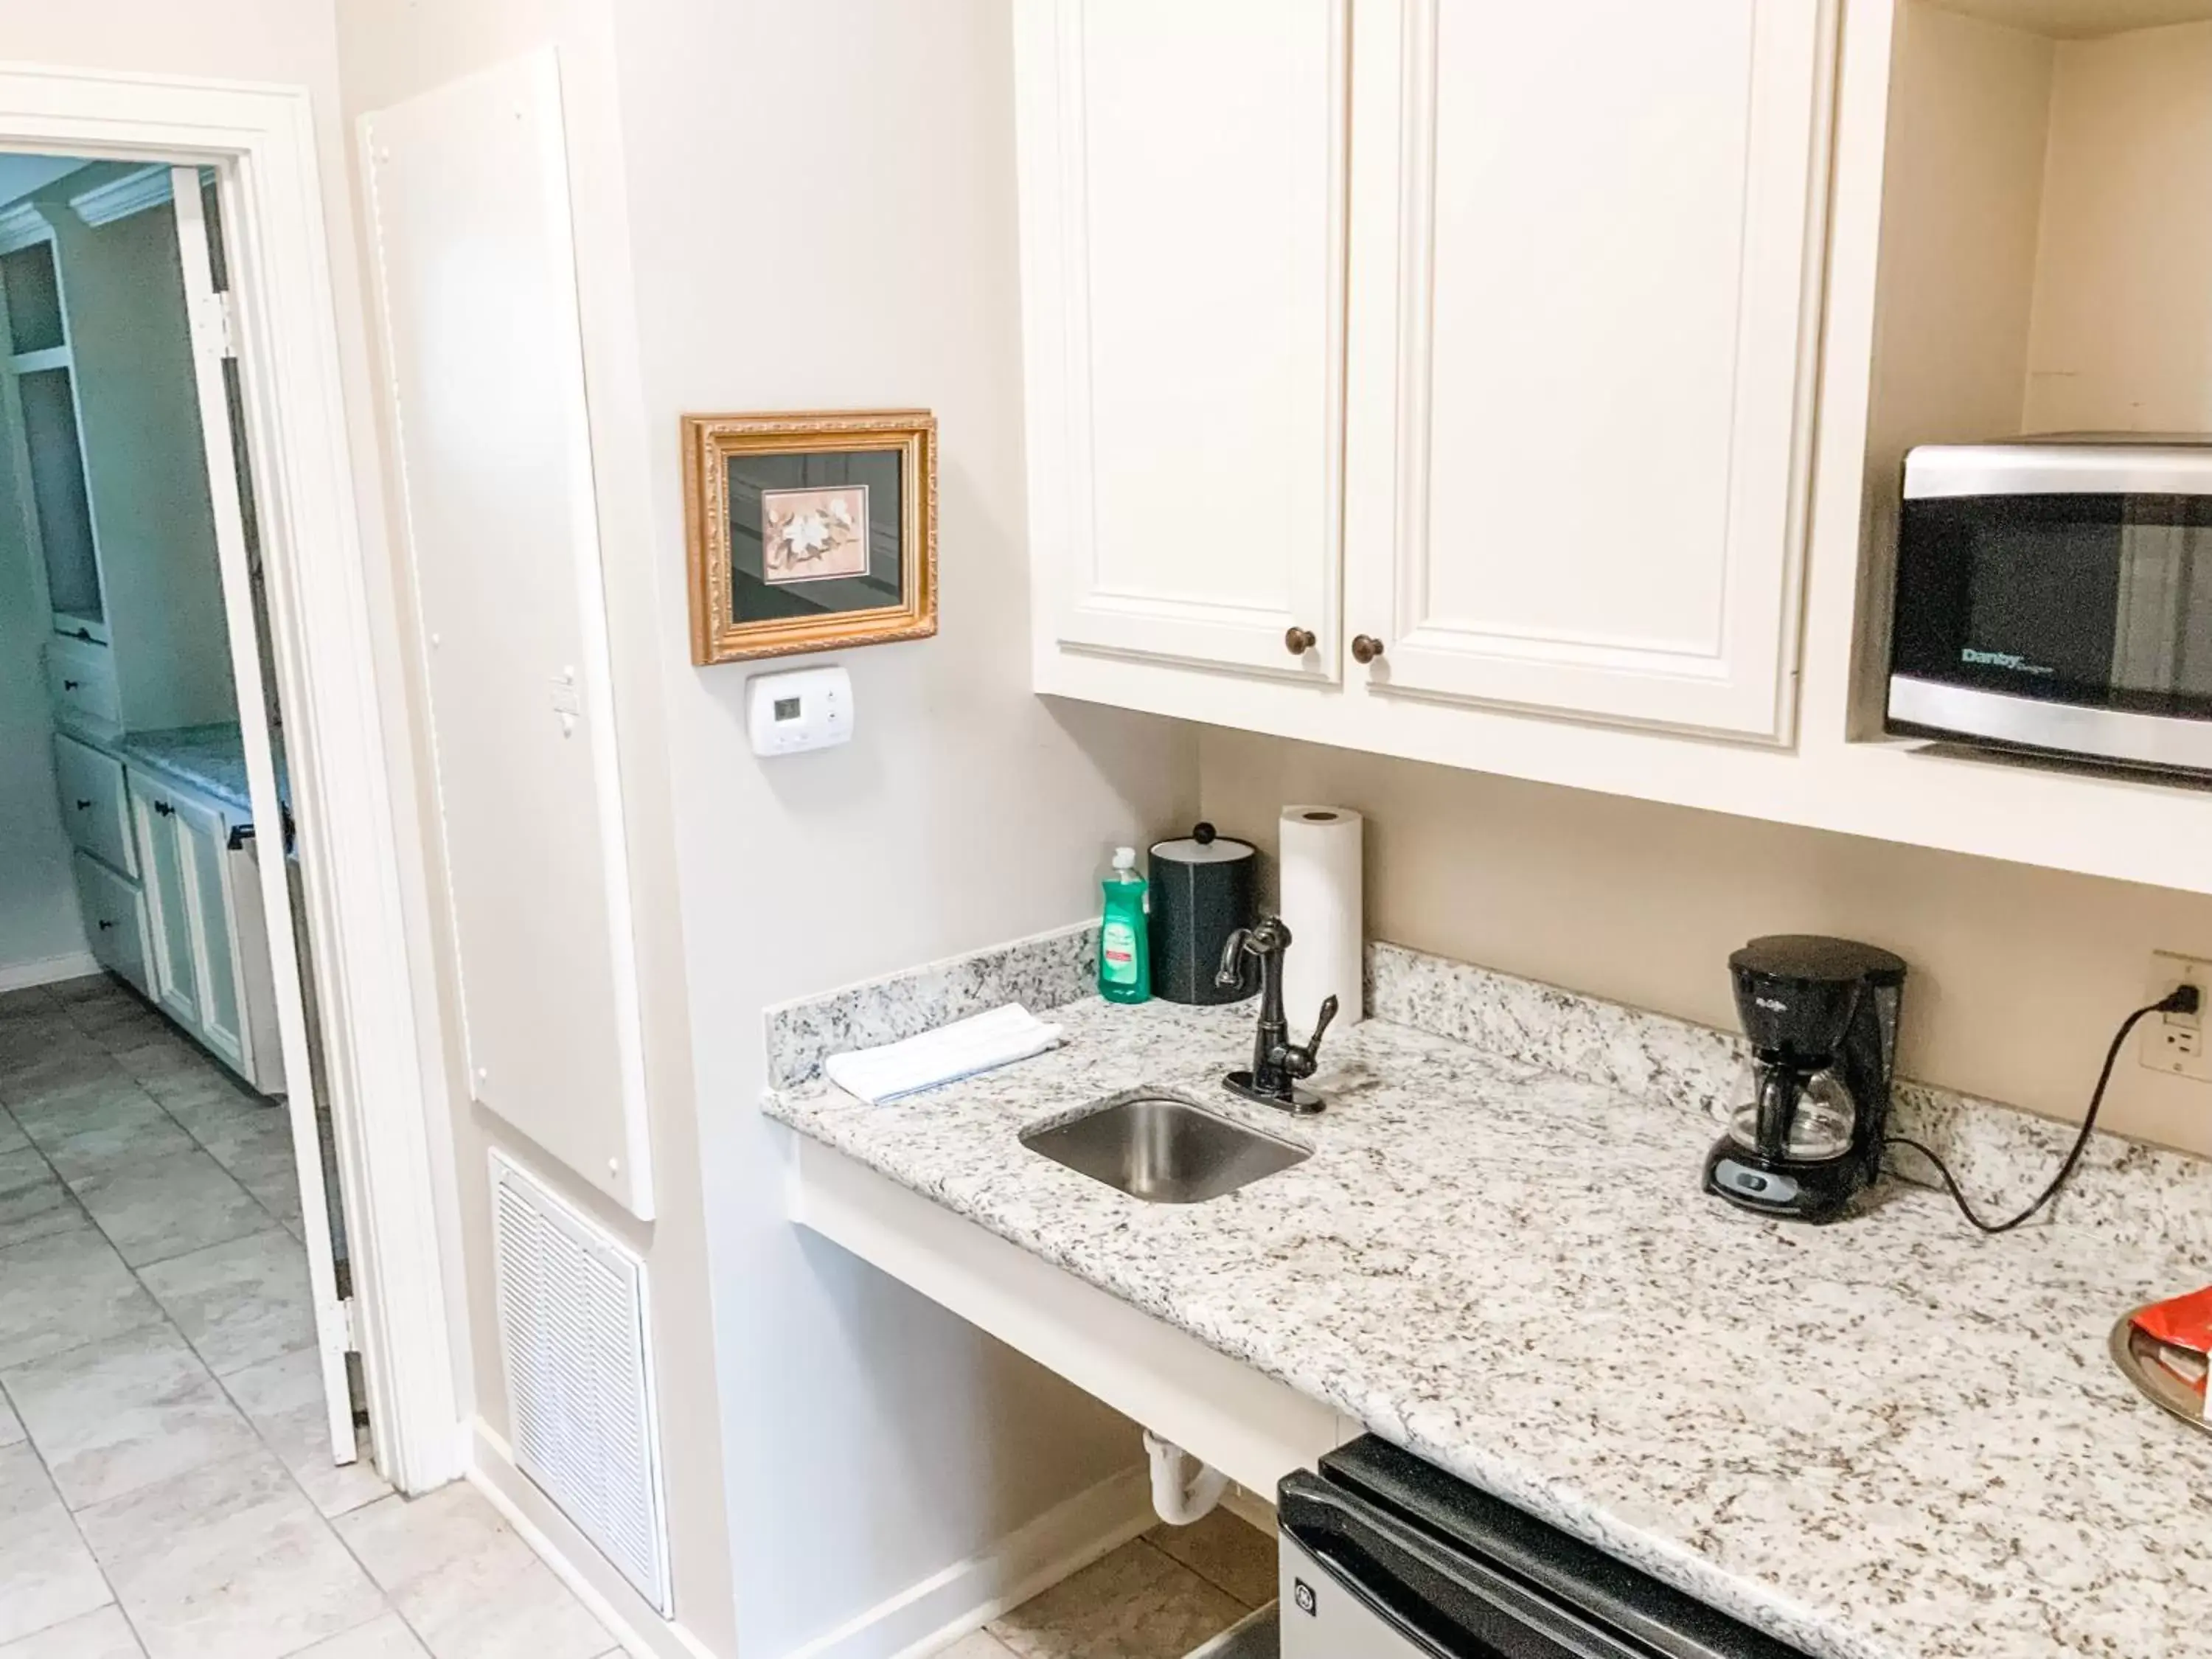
(95, 809)
(114, 919)
(80, 679)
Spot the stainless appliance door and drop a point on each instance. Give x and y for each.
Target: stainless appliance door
(1328, 1620)
(1384, 1556)
(1359, 1583)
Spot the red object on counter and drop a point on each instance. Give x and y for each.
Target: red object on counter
(2183, 1329)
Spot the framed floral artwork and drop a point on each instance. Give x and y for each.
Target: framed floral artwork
(810, 532)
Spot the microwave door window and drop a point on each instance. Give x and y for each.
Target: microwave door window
(2101, 600)
(2162, 647)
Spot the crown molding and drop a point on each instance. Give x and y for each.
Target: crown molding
(22, 225)
(119, 198)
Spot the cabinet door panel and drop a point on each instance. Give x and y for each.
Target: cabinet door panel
(202, 843)
(1586, 295)
(114, 919)
(95, 812)
(1183, 228)
(173, 969)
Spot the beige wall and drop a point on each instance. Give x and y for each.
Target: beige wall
(822, 198)
(388, 54)
(2122, 337)
(835, 1439)
(2019, 976)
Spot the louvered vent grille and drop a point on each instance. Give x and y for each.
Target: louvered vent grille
(573, 1321)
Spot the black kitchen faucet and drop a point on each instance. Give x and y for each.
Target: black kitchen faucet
(1277, 1062)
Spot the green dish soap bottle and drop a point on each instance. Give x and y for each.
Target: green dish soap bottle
(1125, 955)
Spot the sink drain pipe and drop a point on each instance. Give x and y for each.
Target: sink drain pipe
(1179, 1502)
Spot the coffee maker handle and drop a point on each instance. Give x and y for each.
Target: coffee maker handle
(1778, 1092)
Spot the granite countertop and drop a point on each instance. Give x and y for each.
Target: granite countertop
(1887, 1438)
(209, 759)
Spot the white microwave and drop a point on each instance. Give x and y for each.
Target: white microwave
(2054, 596)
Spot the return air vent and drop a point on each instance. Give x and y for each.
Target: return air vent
(572, 1322)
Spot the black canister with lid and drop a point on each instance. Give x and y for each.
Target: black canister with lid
(1204, 887)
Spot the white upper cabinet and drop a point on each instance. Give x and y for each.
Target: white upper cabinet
(1183, 250)
(1585, 302)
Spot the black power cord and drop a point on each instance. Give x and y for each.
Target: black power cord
(2182, 999)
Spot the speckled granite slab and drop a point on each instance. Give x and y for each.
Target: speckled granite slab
(2126, 1191)
(1888, 1438)
(209, 759)
(1040, 972)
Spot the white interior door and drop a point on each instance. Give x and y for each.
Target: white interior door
(475, 272)
(1182, 189)
(213, 339)
(1585, 299)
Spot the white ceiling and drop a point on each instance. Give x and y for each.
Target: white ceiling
(2080, 19)
(22, 174)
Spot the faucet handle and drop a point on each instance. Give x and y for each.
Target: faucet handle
(1231, 971)
(1300, 1060)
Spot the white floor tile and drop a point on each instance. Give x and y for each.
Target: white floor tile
(165, 1056)
(283, 1398)
(62, 1291)
(11, 1426)
(233, 1125)
(387, 1638)
(46, 1573)
(32, 1201)
(228, 1561)
(116, 1415)
(980, 1645)
(239, 1303)
(1134, 1604)
(468, 1584)
(29, 1041)
(67, 1068)
(170, 1207)
(12, 1139)
(100, 1126)
(105, 1634)
(85, 987)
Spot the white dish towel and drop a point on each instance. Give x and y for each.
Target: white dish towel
(981, 1043)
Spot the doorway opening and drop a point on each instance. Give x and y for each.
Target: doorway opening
(168, 1162)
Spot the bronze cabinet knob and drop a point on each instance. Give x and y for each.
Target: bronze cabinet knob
(1365, 648)
(1299, 640)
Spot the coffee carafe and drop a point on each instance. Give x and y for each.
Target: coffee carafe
(1805, 1129)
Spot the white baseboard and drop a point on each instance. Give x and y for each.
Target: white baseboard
(48, 970)
(576, 1562)
(947, 1605)
(914, 1623)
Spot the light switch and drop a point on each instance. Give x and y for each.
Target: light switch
(799, 709)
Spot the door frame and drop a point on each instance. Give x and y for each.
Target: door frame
(261, 140)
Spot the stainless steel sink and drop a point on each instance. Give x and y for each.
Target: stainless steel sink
(1163, 1148)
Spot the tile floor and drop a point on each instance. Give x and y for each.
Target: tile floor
(1157, 1597)
(166, 1491)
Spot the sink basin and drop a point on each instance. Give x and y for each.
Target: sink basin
(1163, 1148)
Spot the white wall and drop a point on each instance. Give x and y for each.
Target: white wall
(822, 198)
(2020, 974)
(39, 920)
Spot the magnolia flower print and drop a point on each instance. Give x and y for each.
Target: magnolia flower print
(813, 532)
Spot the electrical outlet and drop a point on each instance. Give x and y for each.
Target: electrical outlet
(2176, 1042)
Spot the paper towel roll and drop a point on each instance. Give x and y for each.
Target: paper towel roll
(1319, 862)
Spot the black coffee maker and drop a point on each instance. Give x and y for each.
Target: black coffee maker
(1804, 1130)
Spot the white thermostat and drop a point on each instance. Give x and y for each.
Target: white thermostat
(803, 708)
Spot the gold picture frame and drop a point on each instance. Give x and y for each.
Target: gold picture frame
(810, 532)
